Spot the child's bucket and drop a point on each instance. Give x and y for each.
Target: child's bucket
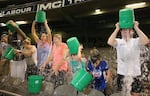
(9, 53)
(73, 45)
(81, 79)
(40, 16)
(126, 18)
(34, 84)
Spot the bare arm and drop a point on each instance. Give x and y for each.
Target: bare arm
(108, 75)
(33, 31)
(79, 50)
(48, 32)
(112, 39)
(143, 39)
(29, 52)
(19, 31)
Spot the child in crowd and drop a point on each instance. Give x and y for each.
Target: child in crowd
(99, 69)
(76, 62)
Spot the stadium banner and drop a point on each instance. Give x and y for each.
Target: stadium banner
(35, 6)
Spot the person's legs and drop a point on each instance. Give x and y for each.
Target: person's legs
(1, 69)
(135, 94)
(6, 68)
(13, 69)
(119, 82)
(136, 87)
(21, 69)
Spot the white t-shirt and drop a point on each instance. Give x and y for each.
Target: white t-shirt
(128, 57)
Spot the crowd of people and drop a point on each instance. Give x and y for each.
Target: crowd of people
(53, 52)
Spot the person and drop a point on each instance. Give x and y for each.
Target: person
(44, 44)
(76, 62)
(59, 65)
(30, 53)
(128, 55)
(18, 64)
(4, 63)
(99, 69)
(16, 37)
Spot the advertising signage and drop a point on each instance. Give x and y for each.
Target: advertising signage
(33, 7)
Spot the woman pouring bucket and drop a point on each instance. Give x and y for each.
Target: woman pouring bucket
(15, 37)
(81, 78)
(44, 43)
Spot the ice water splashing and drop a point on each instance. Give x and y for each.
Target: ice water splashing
(145, 68)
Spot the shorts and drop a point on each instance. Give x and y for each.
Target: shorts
(136, 84)
(32, 69)
(58, 80)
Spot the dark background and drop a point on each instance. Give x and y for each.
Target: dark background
(77, 19)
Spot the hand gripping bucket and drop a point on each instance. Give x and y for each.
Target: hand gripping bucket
(81, 79)
(9, 53)
(73, 45)
(126, 18)
(40, 16)
(10, 27)
(34, 84)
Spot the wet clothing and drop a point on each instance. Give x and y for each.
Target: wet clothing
(76, 65)
(136, 84)
(58, 80)
(42, 52)
(33, 58)
(99, 74)
(18, 69)
(31, 61)
(58, 55)
(128, 57)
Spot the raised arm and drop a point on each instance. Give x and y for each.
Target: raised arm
(112, 39)
(143, 39)
(79, 51)
(48, 32)
(19, 31)
(33, 31)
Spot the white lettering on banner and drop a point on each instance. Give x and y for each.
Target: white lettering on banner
(77, 1)
(57, 4)
(70, 1)
(50, 5)
(44, 6)
(15, 11)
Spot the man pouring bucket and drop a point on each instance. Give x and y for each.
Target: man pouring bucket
(128, 50)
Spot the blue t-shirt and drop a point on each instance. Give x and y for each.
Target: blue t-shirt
(98, 74)
(76, 65)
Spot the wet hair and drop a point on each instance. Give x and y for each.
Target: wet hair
(27, 41)
(95, 55)
(58, 36)
(4, 35)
